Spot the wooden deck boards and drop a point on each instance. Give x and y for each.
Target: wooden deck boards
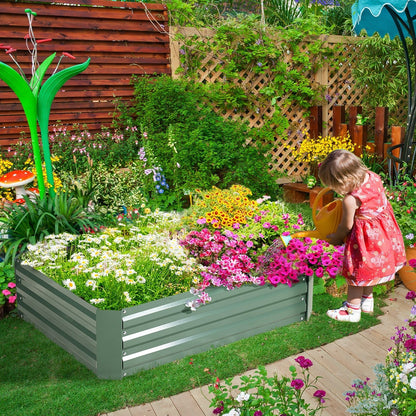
(338, 363)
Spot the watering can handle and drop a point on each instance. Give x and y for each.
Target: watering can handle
(318, 197)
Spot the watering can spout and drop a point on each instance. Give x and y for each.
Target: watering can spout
(326, 220)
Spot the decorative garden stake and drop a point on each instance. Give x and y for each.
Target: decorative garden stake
(36, 99)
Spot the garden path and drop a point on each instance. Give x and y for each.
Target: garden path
(338, 363)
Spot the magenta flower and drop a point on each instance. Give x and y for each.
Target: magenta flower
(258, 413)
(412, 262)
(320, 394)
(297, 383)
(410, 344)
(304, 362)
(6, 292)
(411, 295)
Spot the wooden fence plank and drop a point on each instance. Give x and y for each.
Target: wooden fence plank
(119, 38)
(381, 128)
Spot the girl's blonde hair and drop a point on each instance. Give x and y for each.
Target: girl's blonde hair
(342, 171)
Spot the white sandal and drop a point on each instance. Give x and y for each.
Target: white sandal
(367, 305)
(352, 315)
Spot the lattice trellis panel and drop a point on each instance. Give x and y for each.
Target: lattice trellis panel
(337, 81)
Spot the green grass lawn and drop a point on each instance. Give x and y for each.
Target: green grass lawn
(39, 378)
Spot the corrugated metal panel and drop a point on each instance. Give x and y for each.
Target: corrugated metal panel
(172, 331)
(59, 314)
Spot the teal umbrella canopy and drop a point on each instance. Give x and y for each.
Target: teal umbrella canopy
(394, 18)
(375, 16)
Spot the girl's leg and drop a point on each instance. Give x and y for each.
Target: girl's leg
(350, 311)
(367, 301)
(354, 295)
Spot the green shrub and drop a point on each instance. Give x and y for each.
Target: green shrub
(195, 146)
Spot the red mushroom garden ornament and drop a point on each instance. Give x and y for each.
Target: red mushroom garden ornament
(17, 179)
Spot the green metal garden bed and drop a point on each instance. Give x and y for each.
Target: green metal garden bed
(114, 344)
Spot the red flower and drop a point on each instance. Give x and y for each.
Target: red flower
(43, 40)
(68, 55)
(410, 344)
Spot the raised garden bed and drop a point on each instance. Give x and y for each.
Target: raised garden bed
(114, 344)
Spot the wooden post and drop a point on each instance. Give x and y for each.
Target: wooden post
(397, 136)
(352, 120)
(360, 139)
(381, 128)
(315, 122)
(338, 118)
(343, 130)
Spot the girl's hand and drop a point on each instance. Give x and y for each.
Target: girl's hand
(349, 205)
(332, 239)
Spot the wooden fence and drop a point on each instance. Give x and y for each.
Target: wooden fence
(125, 38)
(383, 135)
(340, 90)
(121, 38)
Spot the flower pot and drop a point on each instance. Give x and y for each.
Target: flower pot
(407, 274)
(114, 344)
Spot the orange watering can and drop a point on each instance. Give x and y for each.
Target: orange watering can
(326, 220)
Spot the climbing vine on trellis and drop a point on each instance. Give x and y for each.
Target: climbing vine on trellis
(251, 67)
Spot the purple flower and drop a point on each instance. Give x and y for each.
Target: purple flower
(297, 383)
(258, 413)
(218, 410)
(411, 295)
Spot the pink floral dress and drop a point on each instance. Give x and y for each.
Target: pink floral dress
(374, 248)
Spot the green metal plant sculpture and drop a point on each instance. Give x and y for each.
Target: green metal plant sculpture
(36, 99)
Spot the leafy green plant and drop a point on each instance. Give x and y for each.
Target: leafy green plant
(402, 197)
(7, 283)
(53, 214)
(282, 12)
(393, 390)
(261, 394)
(107, 189)
(381, 73)
(74, 149)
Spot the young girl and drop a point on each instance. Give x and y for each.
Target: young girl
(374, 248)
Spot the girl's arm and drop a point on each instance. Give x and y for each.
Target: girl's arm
(349, 205)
